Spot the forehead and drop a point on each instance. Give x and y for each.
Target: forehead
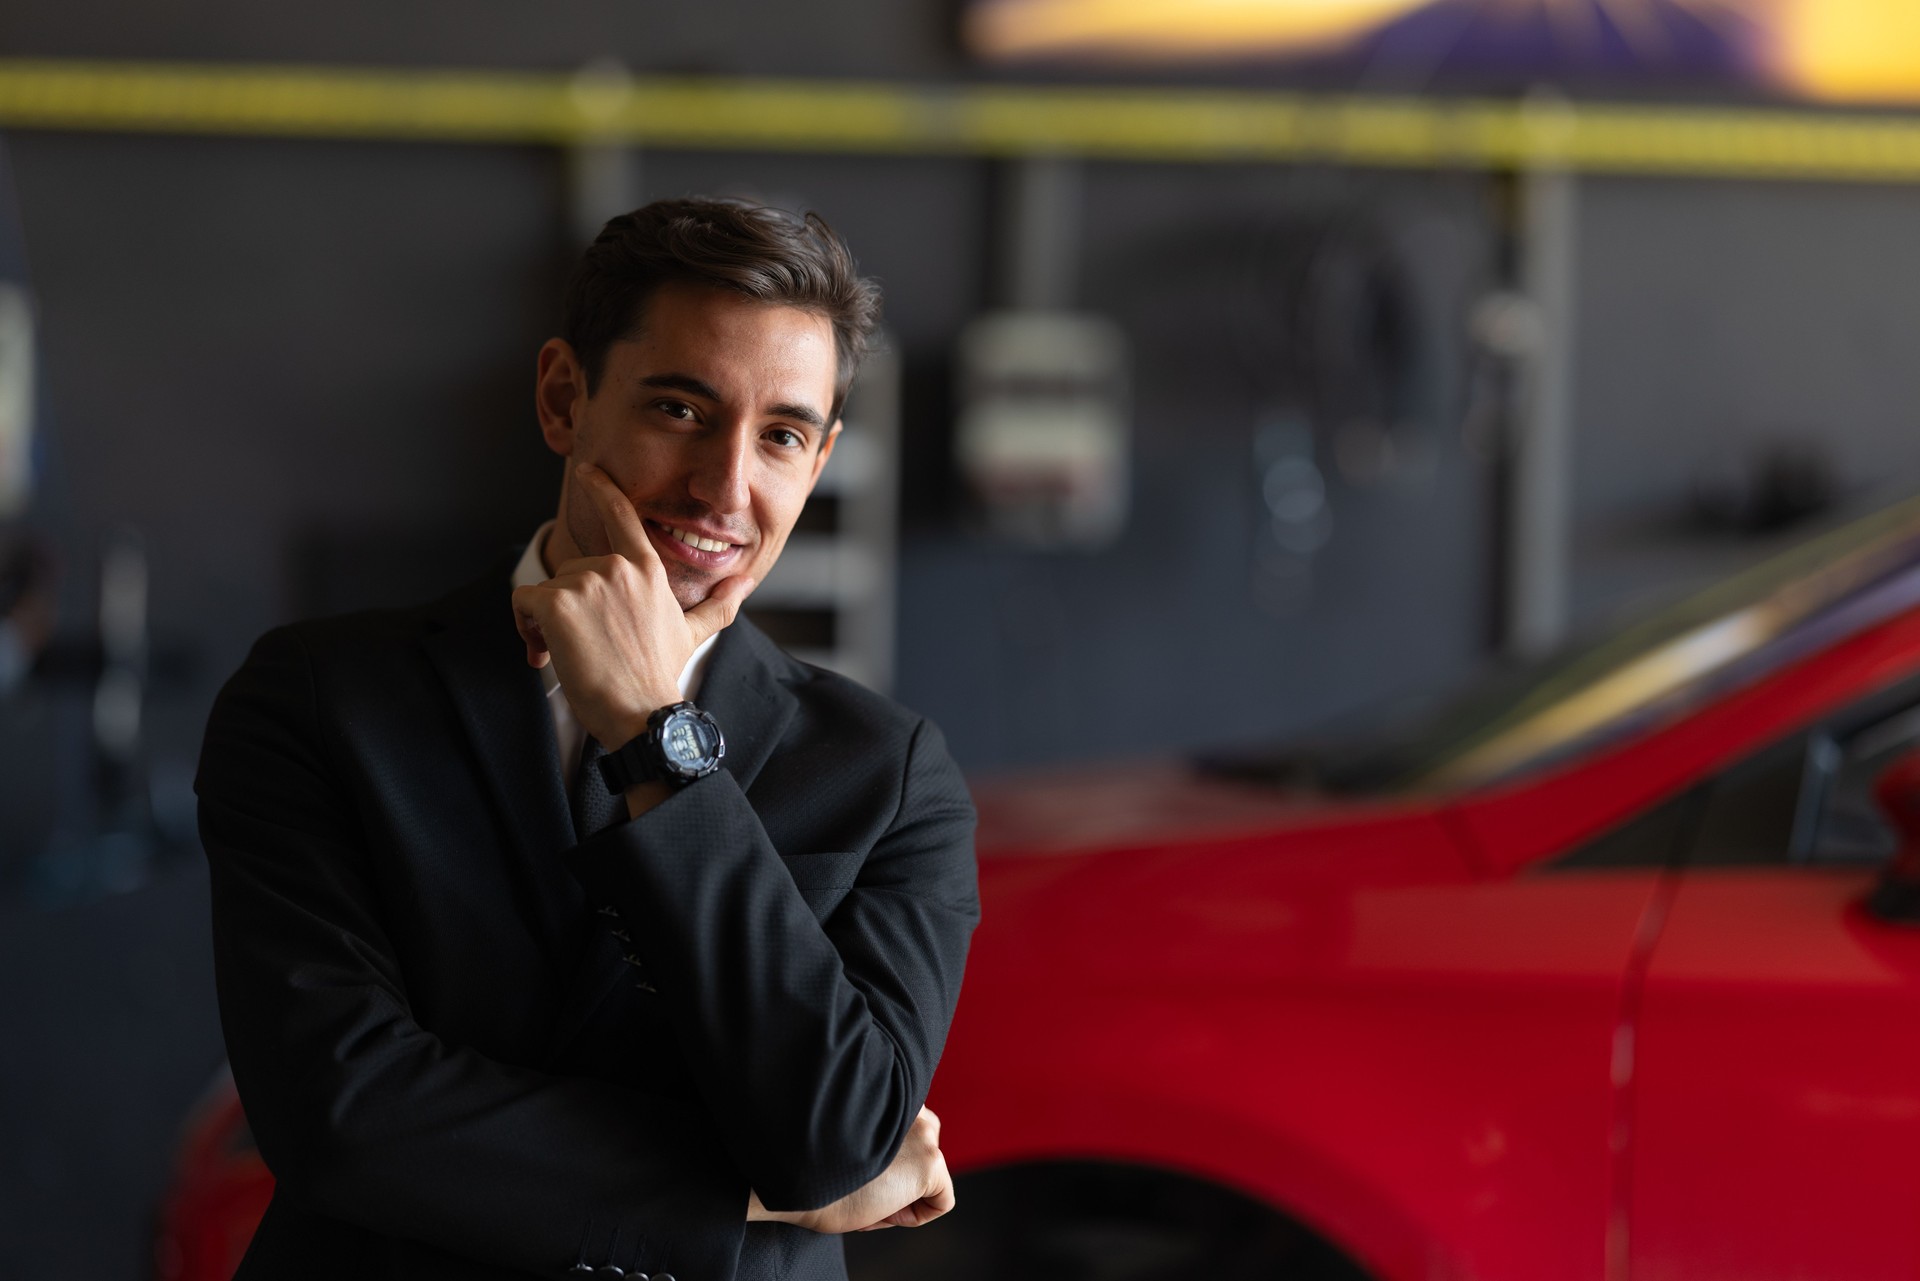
(739, 344)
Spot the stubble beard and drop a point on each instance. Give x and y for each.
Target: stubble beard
(690, 586)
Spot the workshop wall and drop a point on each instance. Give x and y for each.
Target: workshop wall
(1721, 325)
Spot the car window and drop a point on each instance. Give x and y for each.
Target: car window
(1809, 798)
(1745, 815)
(1563, 718)
(1806, 799)
(1750, 812)
(1655, 837)
(1842, 823)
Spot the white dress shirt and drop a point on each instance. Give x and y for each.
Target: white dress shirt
(567, 733)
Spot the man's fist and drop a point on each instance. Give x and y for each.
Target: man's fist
(914, 1190)
(611, 627)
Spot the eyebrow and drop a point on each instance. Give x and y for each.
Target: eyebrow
(699, 387)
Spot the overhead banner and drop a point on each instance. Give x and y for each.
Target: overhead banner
(1855, 51)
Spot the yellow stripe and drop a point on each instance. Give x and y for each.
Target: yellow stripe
(833, 116)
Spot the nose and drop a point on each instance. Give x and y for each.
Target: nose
(721, 468)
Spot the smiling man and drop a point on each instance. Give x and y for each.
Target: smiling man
(566, 926)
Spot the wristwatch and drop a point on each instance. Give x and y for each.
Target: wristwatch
(681, 743)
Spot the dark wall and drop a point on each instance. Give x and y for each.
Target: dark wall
(299, 372)
(1718, 321)
(1166, 640)
(884, 38)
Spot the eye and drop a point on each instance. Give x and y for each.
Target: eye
(679, 409)
(786, 437)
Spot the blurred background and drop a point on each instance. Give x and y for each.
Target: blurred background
(1249, 366)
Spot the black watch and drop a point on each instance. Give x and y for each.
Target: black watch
(681, 743)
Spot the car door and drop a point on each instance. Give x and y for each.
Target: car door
(1774, 1116)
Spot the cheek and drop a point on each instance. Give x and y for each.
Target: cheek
(641, 468)
(780, 507)
(597, 445)
(772, 543)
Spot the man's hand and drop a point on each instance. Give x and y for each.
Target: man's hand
(611, 627)
(916, 1189)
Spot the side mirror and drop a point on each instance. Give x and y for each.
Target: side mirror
(1897, 897)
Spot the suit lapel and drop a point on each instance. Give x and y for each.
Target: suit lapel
(744, 693)
(502, 709)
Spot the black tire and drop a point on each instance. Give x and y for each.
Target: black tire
(1092, 1221)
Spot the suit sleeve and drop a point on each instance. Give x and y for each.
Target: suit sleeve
(361, 1113)
(814, 1043)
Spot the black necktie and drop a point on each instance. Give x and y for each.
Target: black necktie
(594, 808)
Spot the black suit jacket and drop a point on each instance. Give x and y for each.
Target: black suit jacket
(447, 1063)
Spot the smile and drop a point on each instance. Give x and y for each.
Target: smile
(688, 547)
(695, 540)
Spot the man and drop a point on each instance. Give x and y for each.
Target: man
(522, 971)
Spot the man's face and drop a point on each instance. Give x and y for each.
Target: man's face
(711, 419)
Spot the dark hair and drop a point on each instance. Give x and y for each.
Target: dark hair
(765, 253)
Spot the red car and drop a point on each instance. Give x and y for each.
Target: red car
(1578, 980)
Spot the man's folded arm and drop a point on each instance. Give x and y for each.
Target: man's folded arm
(361, 1113)
(814, 1044)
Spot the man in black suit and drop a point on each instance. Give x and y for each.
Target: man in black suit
(524, 974)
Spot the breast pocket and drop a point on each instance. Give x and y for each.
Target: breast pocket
(824, 879)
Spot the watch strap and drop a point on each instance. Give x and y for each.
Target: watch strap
(637, 761)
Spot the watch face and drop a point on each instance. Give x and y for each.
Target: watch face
(691, 742)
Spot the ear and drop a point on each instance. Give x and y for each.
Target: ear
(826, 450)
(559, 392)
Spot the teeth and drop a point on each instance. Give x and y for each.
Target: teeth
(694, 540)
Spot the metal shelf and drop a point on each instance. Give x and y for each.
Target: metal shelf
(831, 598)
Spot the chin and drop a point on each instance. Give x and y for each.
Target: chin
(690, 588)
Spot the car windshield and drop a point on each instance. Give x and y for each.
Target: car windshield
(1632, 678)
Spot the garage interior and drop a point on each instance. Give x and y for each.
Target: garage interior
(1401, 384)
